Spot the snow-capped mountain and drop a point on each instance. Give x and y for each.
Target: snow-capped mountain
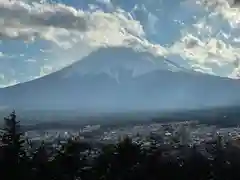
(122, 79)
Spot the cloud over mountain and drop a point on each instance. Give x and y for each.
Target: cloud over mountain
(197, 34)
(56, 21)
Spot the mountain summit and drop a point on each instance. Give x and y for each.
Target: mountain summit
(122, 79)
(113, 60)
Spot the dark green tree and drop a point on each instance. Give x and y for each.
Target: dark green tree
(40, 164)
(14, 159)
(71, 161)
(120, 161)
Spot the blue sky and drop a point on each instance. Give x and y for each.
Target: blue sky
(39, 37)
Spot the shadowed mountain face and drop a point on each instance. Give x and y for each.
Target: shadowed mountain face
(120, 79)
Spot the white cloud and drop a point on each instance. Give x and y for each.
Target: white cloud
(208, 54)
(72, 33)
(224, 8)
(1, 54)
(210, 44)
(104, 1)
(45, 70)
(31, 60)
(205, 51)
(108, 3)
(6, 82)
(5, 55)
(69, 32)
(202, 69)
(237, 40)
(43, 15)
(10, 83)
(64, 25)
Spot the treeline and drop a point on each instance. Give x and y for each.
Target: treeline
(126, 160)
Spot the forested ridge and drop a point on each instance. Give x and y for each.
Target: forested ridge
(125, 160)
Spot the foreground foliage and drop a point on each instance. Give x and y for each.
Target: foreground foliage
(125, 160)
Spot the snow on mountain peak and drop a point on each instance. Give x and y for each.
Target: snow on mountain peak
(112, 60)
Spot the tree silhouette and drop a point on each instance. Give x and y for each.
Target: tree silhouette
(125, 160)
(40, 165)
(15, 163)
(70, 161)
(118, 161)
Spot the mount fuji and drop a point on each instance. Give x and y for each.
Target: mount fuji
(121, 80)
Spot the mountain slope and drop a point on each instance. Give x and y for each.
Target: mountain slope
(120, 79)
